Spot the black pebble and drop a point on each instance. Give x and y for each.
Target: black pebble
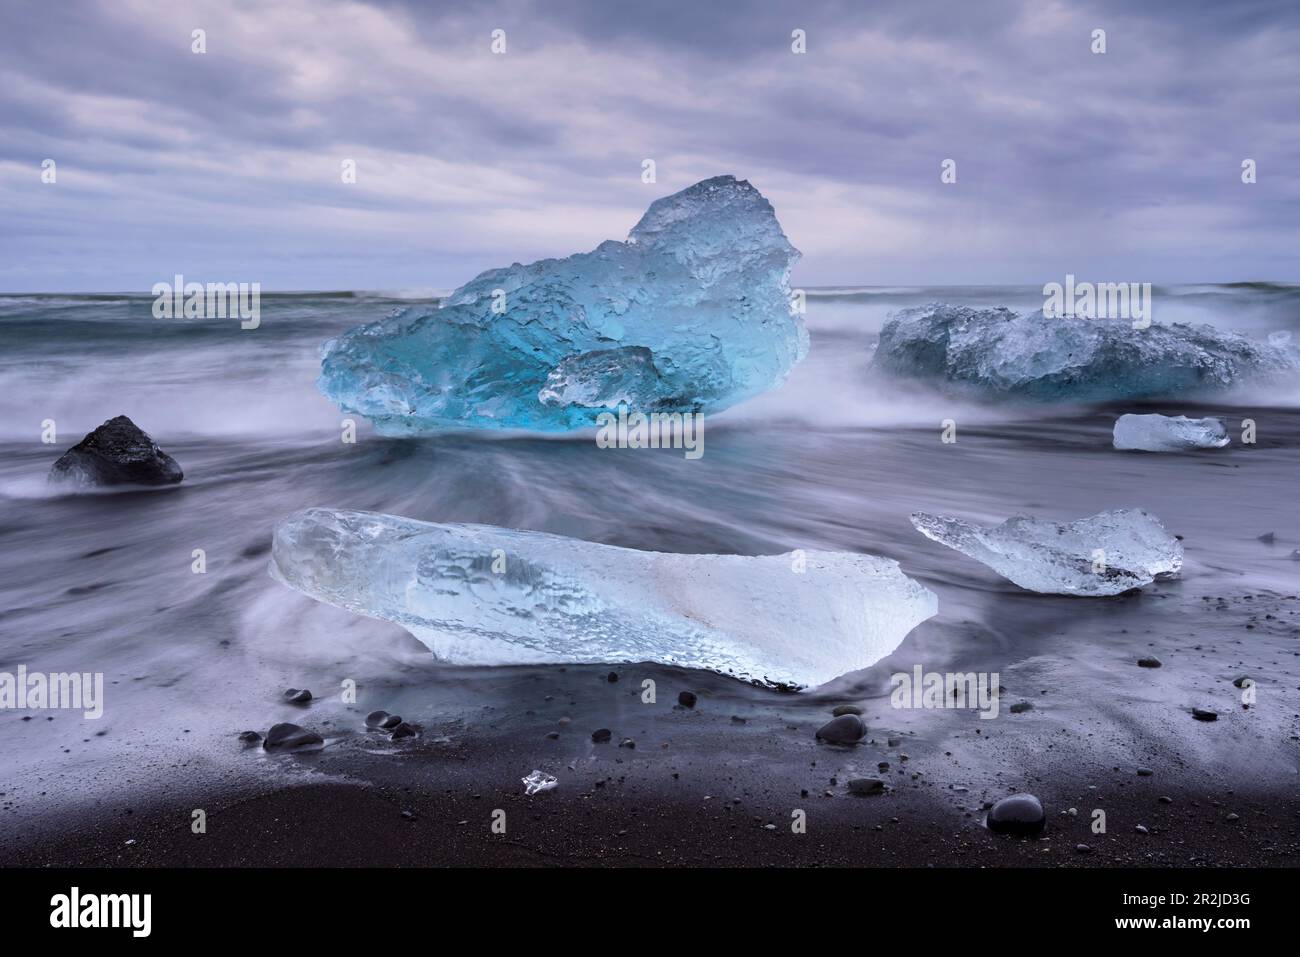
(1149, 662)
(297, 695)
(1019, 814)
(601, 735)
(290, 737)
(686, 699)
(846, 729)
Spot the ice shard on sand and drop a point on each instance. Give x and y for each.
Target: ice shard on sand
(1104, 554)
(1164, 433)
(478, 594)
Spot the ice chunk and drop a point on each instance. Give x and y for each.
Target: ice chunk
(484, 595)
(691, 314)
(997, 351)
(539, 781)
(1163, 433)
(1105, 554)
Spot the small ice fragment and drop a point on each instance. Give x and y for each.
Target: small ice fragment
(539, 781)
(476, 594)
(1163, 433)
(1105, 554)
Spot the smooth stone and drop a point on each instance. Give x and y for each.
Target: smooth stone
(382, 721)
(297, 695)
(846, 729)
(866, 785)
(627, 743)
(116, 453)
(841, 710)
(1241, 682)
(687, 699)
(1149, 662)
(290, 737)
(1204, 714)
(1145, 772)
(1020, 814)
(403, 730)
(1020, 707)
(601, 735)
(249, 737)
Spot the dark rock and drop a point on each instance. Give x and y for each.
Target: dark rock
(290, 737)
(612, 677)
(1268, 538)
(1241, 682)
(687, 699)
(866, 786)
(403, 730)
(552, 735)
(116, 453)
(297, 695)
(1020, 707)
(1082, 849)
(1020, 814)
(601, 735)
(250, 737)
(1149, 662)
(1204, 714)
(844, 709)
(627, 743)
(382, 721)
(846, 729)
(1144, 772)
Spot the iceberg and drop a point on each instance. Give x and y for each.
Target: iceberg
(477, 594)
(1105, 554)
(1163, 433)
(691, 314)
(1000, 352)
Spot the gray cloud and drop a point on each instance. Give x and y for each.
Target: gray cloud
(226, 165)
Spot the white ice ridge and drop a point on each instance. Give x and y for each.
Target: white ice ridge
(1163, 433)
(478, 594)
(1105, 554)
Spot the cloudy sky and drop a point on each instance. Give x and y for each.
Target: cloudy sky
(226, 165)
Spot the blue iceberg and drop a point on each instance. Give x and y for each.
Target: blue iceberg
(476, 594)
(691, 314)
(1000, 352)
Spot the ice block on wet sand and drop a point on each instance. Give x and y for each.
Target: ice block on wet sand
(1104, 554)
(478, 594)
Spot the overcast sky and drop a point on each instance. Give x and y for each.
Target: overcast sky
(226, 165)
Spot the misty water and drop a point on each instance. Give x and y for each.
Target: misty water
(103, 582)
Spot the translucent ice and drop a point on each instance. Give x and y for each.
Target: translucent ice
(484, 595)
(998, 351)
(691, 314)
(539, 781)
(1163, 433)
(1105, 554)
